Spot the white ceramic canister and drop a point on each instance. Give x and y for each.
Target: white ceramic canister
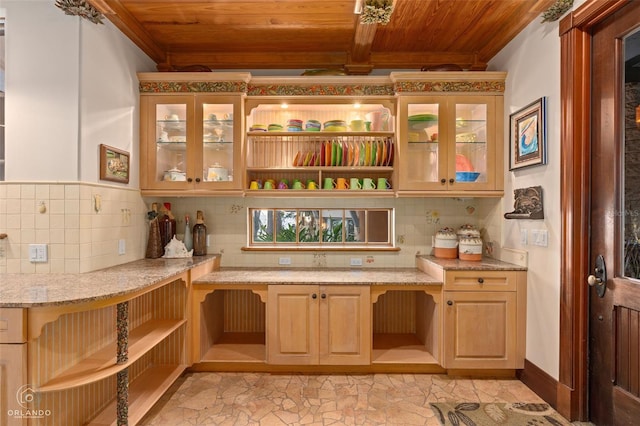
(217, 173)
(467, 229)
(446, 244)
(470, 248)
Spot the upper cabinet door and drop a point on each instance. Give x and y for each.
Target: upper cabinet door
(449, 143)
(165, 132)
(190, 143)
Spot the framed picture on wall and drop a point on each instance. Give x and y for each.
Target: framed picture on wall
(528, 136)
(114, 164)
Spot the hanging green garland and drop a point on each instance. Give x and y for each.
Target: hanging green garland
(556, 10)
(376, 12)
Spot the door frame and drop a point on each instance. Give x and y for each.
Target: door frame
(575, 188)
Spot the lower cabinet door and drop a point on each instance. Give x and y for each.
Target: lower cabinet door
(479, 329)
(15, 391)
(292, 324)
(314, 325)
(345, 325)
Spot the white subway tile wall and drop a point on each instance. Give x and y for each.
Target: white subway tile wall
(82, 223)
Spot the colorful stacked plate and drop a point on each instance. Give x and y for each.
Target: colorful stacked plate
(274, 127)
(258, 128)
(313, 126)
(294, 125)
(335, 126)
(422, 121)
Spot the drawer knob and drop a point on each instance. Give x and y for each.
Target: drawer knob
(449, 302)
(324, 296)
(480, 280)
(314, 296)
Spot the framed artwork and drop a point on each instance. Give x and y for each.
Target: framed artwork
(528, 136)
(114, 164)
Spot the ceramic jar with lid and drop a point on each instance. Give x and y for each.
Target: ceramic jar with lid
(467, 229)
(470, 248)
(446, 244)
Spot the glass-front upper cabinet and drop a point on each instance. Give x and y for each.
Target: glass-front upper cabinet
(190, 142)
(449, 143)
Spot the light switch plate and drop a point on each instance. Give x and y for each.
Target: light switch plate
(122, 248)
(38, 253)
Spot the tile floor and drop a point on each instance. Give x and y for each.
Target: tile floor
(279, 399)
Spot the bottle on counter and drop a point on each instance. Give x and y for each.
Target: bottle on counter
(188, 237)
(154, 243)
(167, 225)
(199, 235)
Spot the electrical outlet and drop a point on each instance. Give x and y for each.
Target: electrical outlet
(539, 237)
(122, 248)
(523, 237)
(284, 261)
(356, 261)
(38, 253)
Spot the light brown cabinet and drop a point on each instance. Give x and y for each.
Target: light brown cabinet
(484, 319)
(15, 392)
(190, 142)
(319, 325)
(450, 141)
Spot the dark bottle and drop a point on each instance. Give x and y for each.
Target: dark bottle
(167, 225)
(154, 247)
(199, 235)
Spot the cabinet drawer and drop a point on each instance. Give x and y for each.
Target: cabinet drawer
(481, 280)
(13, 325)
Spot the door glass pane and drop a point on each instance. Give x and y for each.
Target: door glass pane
(471, 143)
(631, 133)
(423, 147)
(217, 132)
(171, 142)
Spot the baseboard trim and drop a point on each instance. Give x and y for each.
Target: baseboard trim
(545, 386)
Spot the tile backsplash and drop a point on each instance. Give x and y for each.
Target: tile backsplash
(83, 223)
(416, 222)
(80, 223)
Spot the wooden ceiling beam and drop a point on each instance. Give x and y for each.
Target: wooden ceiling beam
(130, 27)
(359, 59)
(258, 60)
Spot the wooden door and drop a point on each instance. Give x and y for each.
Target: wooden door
(480, 329)
(614, 307)
(345, 325)
(292, 324)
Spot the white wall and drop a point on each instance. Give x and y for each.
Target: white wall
(532, 61)
(109, 97)
(42, 47)
(71, 85)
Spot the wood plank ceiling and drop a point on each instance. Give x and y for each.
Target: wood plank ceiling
(319, 34)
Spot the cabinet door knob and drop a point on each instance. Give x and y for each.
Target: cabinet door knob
(452, 180)
(189, 180)
(198, 180)
(324, 296)
(480, 280)
(449, 302)
(443, 181)
(314, 296)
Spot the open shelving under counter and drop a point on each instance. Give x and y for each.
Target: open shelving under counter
(229, 325)
(407, 327)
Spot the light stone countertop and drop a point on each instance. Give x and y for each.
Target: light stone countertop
(327, 276)
(34, 290)
(486, 264)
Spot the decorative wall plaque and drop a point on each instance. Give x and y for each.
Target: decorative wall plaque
(527, 204)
